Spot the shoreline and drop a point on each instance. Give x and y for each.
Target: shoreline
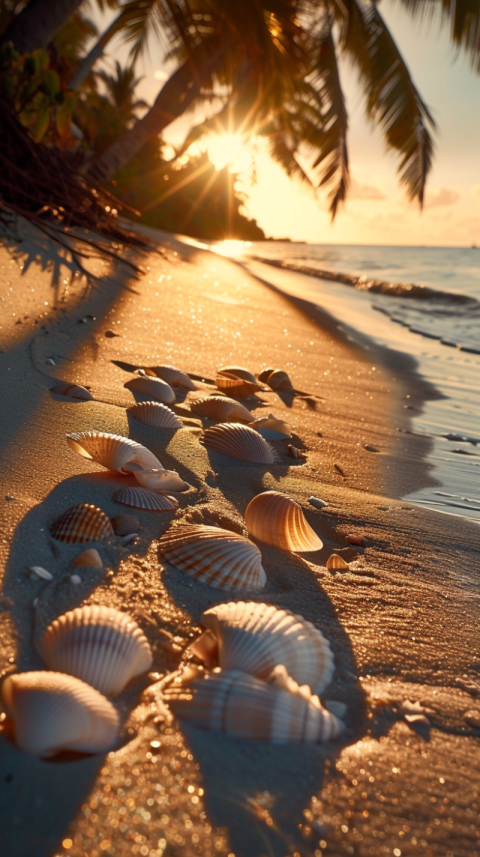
(411, 588)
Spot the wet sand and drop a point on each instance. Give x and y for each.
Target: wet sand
(402, 622)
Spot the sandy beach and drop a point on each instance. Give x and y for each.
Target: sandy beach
(402, 621)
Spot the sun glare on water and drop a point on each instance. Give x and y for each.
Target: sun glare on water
(223, 149)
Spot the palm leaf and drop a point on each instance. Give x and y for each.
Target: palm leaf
(462, 17)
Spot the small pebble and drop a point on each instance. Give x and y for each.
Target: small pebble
(125, 525)
(9, 497)
(317, 502)
(128, 540)
(50, 362)
(370, 448)
(294, 452)
(355, 540)
(38, 571)
(472, 718)
(75, 579)
(339, 469)
(110, 334)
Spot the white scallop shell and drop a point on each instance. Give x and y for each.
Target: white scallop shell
(173, 376)
(221, 408)
(155, 388)
(54, 712)
(255, 638)
(278, 520)
(112, 451)
(239, 372)
(142, 498)
(160, 480)
(244, 706)
(271, 428)
(335, 561)
(89, 558)
(232, 385)
(155, 414)
(99, 645)
(75, 391)
(240, 442)
(220, 558)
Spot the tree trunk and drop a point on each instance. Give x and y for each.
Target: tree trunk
(86, 64)
(38, 22)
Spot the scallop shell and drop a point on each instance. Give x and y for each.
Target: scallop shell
(240, 442)
(112, 451)
(255, 638)
(221, 558)
(155, 414)
(231, 384)
(89, 558)
(244, 706)
(82, 523)
(271, 428)
(239, 372)
(221, 408)
(278, 520)
(54, 712)
(160, 480)
(75, 391)
(142, 498)
(279, 380)
(99, 645)
(335, 561)
(155, 388)
(173, 376)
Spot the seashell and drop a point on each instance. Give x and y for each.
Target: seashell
(75, 580)
(155, 414)
(155, 388)
(99, 645)
(41, 573)
(142, 498)
(232, 385)
(244, 706)
(254, 638)
(294, 452)
(239, 372)
(75, 391)
(264, 375)
(336, 561)
(221, 558)
(355, 540)
(124, 525)
(271, 428)
(221, 408)
(82, 523)
(160, 480)
(89, 558)
(279, 380)
(278, 520)
(240, 442)
(317, 502)
(112, 451)
(54, 712)
(174, 377)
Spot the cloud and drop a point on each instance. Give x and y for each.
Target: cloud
(442, 196)
(359, 190)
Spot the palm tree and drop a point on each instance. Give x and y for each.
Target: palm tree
(38, 21)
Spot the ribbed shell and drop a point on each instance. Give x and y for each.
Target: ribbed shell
(220, 558)
(255, 638)
(155, 414)
(278, 520)
(335, 561)
(221, 408)
(82, 523)
(239, 372)
(244, 706)
(160, 480)
(271, 428)
(99, 645)
(54, 712)
(112, 451)
(155, 388)
(232, 385)
(142, 498)
(279, 380)
(240, 442)
(75, 391)
(88, 559)
(173, 376)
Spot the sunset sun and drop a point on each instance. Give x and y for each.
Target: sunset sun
(223, 149)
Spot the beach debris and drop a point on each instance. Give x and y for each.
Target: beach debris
(254, 638)
(110, 334)
(294, 452)
(173, 376)
(277, 379)
(317, 502)
(235, 386)
(472, 717)
(160, 480)
(54, 712)
(154, 388)
(112, 451)
(74, 391)
(40, 573)
(50, 362)
(340, 470)
(334, 706)
(271, 428)
(415, 714)
(221, 408)
(370, 448)
(240, 372)
(155, 414)
(336, 561)
(9, 497)
(75, 579)
(355, 540)
(123, 525)
(240, 442)
(88, 559)
(98, 644)
(278, 520)
(142, 498)
(82, 523)
(241, 705)
(220, 558)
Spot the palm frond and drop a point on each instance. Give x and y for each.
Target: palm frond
(461, 16)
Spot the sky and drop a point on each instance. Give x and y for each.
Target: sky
(377, 211)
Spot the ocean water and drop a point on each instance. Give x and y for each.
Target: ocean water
(420, 300)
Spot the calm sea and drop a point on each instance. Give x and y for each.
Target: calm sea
(438, 324)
